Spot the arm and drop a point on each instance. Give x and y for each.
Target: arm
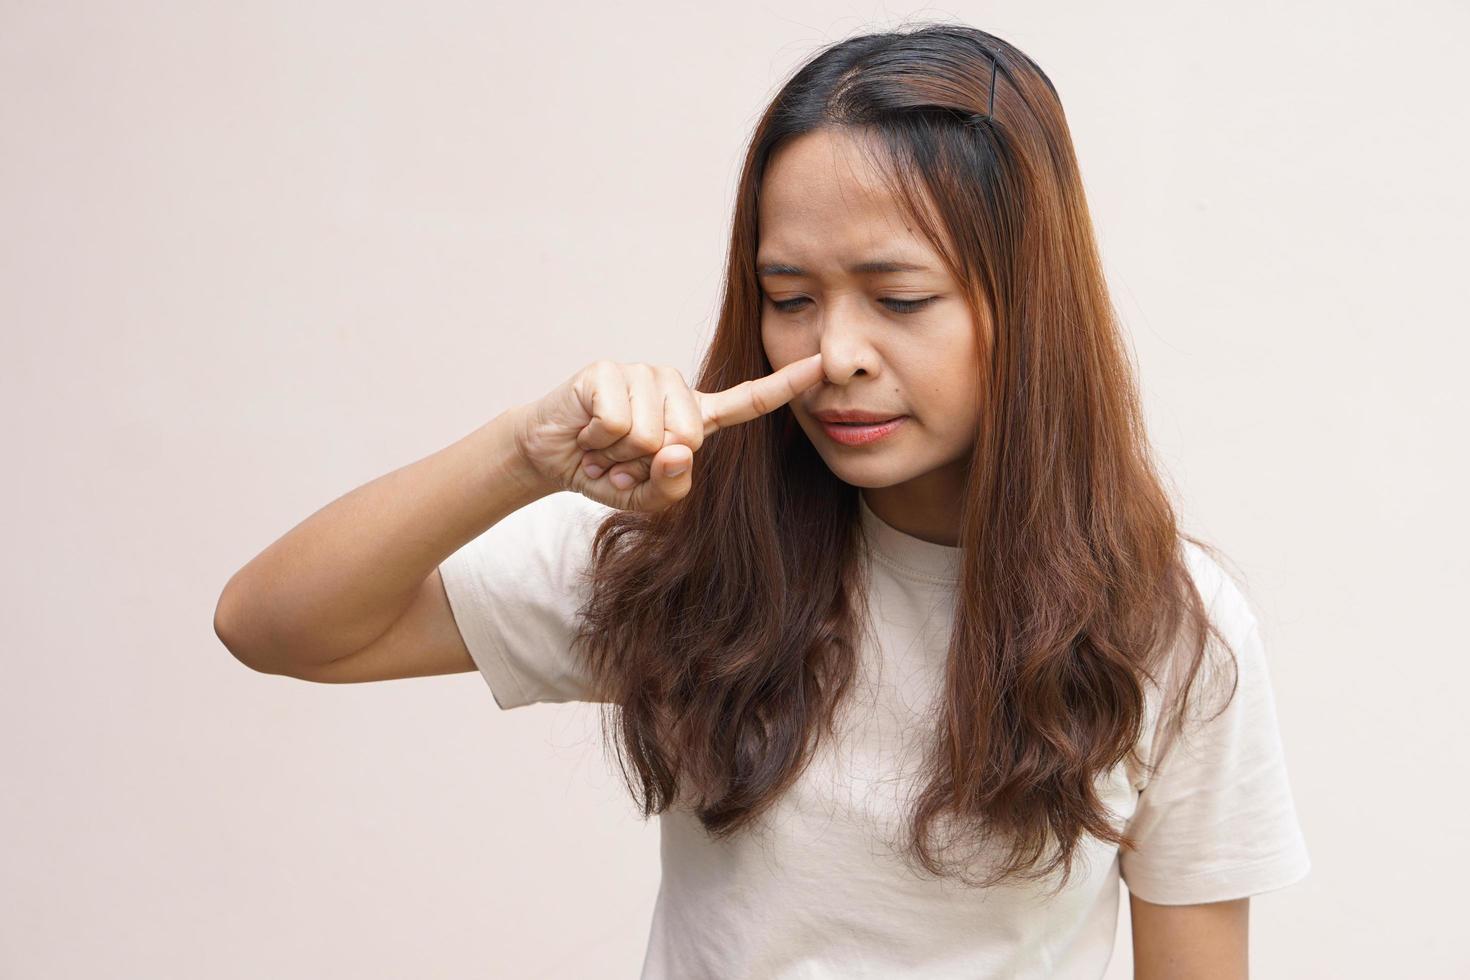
(1190, 942)
(352, 593)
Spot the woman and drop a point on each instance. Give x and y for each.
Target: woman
(890, 615)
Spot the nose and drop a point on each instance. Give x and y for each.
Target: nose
(846, 345)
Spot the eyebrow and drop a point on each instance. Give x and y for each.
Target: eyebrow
(870, 267)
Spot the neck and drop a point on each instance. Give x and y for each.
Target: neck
(926, 507)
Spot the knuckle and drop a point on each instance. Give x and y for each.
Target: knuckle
(691, 436)
(758, 403)
(645, 443)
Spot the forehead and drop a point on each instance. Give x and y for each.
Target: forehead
(824, 203)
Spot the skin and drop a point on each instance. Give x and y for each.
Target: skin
(823, 209)
(1197, 942)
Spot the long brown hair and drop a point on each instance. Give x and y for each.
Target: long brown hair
(722, 633)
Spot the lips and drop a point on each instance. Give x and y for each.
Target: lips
(862, 433)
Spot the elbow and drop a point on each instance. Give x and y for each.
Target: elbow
(228, 629)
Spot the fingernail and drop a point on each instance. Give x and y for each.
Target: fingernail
(622, 480)
(593, 470)
(677, 470)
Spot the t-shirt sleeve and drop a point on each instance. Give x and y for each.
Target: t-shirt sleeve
(1217, 821)
(516, 591)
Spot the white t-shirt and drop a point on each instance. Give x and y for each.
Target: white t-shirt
(819, 893)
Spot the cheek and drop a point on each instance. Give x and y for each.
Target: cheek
(951, 393)
(778, 350)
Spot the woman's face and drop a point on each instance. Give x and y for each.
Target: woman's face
(894, 341)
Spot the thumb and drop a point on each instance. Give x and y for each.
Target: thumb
(669, 477)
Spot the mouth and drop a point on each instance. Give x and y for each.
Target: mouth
(860, 432)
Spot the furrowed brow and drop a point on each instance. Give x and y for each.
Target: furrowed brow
(870, 267)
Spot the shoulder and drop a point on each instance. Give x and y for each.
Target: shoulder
(569, 504)
(1221, 680)
(1222, 592)
(1232, 655)
(545, 541)
(560, 514)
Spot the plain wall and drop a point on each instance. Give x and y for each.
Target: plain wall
(255, 255)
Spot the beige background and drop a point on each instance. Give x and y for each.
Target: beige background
(255, 255)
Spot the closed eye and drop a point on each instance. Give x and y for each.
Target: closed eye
(896, 305)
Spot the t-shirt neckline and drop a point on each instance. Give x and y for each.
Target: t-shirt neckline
(908, 555)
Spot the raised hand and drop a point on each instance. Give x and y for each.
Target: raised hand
(625, 434)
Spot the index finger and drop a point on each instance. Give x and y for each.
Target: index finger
(754, 398)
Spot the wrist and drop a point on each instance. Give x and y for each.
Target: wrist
(509, 460)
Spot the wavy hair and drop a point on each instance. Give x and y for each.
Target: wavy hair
(722, 633)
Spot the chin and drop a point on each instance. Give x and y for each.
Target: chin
(870, 474)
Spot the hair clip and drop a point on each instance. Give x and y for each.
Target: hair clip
(989, 114)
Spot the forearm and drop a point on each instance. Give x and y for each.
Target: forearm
(338, 580)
